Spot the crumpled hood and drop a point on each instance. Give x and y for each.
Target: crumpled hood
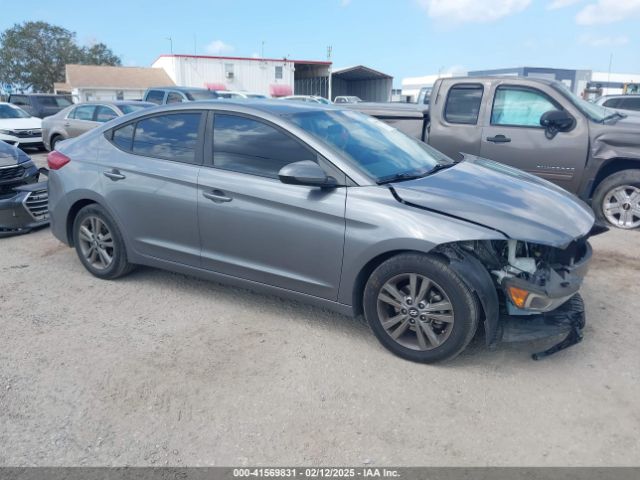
(520, 205)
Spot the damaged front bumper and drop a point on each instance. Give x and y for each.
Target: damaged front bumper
(24, 209)
(568, 320)
(549, 308)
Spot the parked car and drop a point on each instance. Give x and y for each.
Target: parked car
(23, 197)
(424, 95)
(80, 118)
(620, 102)
(330, 207)
(19, 128)
(240, 95)
(347, 99)
(307, 99)
(538, 126)
(163, 95)
(40, 105)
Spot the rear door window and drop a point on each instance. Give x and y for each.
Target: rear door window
(172, 136)
(463, 104)
(155, 96)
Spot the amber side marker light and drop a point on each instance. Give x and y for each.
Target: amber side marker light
(518, 296)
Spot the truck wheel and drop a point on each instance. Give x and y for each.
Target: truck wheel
(617, 199)
(419, 308)
(99, 243)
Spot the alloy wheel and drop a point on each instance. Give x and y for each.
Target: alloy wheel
(415, 311)
(96, 242)
(621, 206)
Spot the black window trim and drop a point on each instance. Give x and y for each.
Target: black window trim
(446, 102)
(330, 168)
(199, 150)
(529, 89)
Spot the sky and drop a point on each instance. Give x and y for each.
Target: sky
(403, 38)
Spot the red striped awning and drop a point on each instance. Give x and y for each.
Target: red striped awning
(279, 90)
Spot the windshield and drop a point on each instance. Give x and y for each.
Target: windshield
(201, 95)
(7, 111)
(597, 113)
(377, 148)
(132, 107)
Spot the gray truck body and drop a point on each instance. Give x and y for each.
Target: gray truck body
(578, 159)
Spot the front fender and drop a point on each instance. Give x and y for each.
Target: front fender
(477, 278)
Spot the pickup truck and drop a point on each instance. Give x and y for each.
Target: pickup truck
(536, 125)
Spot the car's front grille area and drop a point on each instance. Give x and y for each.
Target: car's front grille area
(11, 173)
(38, 204)
(32, 133)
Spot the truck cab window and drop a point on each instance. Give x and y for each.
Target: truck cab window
(463, 104)
(520, 107)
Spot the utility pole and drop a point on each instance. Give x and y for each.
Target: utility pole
(262, 50)
(329, 51)
(170, 44)
(195, 44)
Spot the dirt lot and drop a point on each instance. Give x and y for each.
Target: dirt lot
(159, 368)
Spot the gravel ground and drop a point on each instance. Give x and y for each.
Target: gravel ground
(163, 369)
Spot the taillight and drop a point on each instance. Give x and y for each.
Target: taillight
(56, 160)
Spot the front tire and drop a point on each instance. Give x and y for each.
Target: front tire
(99, 244)
(617, 200)
(419, 308)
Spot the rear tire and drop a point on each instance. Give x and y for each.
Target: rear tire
(617, 200)
(99, 243)
(53, 141)
(420, 309)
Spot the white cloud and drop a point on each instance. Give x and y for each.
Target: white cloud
(218, 47)
(603, 41)
(345, 3)
(467, 11)
(556, 4)
(608, 11)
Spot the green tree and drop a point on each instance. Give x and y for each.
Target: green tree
(33, 55)
(99, 54)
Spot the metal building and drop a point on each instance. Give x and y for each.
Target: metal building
(270, 76)
(364, 82)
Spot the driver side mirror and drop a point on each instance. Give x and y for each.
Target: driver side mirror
(555, 121)
(305, 172)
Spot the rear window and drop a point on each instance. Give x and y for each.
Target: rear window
(629, 103)
(51, 101)
(463, 104)
(130, 108)
(155, 96)
(172, 137)
(200, 95)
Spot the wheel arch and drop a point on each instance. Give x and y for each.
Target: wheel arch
(611, 167)
(72, 214)
(470, 270)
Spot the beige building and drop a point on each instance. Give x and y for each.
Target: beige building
(97, 82)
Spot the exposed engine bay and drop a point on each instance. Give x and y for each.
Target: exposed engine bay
(528, 291)
(534, 278)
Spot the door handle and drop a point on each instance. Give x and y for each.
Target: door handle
(499, 139)
(114, 175)
(216, 196)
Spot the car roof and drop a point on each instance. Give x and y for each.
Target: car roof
(181, 89)
(271, 106)
(116, 103)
